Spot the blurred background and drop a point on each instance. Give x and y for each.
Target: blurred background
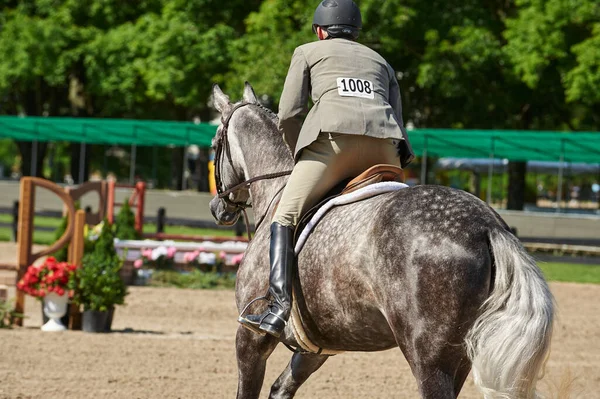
(526, 65)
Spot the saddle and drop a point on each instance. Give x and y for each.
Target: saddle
(375, 174)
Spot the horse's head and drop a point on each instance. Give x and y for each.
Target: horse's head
(230, 170)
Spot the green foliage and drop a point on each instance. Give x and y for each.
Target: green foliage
(98, 284)
(8, 315)
(125, 224)
(553, 48)
(569, 272)
(195, 280)
(583, 81)
(272, 34)
(8, 156)
(105, 247)
(517, 64)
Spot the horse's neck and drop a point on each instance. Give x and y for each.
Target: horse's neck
(265, 195)
(266, 153)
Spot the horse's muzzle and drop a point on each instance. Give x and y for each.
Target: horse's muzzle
(224, 214)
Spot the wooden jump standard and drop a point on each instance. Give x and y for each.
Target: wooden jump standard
(73, 233)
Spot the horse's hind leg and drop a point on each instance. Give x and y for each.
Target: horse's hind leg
(295, 374)
(252, 351)
(434, 383)
(438, 361)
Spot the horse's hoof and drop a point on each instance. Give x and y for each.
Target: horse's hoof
(250, 326)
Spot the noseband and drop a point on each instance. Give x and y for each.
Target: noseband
(222, 146)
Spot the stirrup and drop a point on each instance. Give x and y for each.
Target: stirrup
(245, 322)
(249, 326)
(260, 298)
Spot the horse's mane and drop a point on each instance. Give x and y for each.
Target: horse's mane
(268, 111)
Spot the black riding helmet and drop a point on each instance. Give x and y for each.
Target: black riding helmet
(340, 18)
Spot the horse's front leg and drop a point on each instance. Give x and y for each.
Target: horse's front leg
(252, 351)
(295, 374)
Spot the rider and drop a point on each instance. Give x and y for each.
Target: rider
(355, 123)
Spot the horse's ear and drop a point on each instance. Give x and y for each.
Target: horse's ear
(220, 99)
(249, 95)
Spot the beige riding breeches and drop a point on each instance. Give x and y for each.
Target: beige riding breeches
(327, 161)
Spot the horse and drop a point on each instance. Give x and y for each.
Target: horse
(429, 269)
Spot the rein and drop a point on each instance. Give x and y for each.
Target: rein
(222, 192)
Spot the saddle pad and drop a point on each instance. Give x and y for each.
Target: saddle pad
(360, 194)
(366, 192)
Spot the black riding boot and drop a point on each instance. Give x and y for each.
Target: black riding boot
(274, 319)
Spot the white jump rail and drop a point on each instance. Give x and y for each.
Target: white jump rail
(131, 249)
(563, 248)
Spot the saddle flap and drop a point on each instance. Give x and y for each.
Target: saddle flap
(375, 174)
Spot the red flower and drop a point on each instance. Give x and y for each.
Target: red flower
(50, 276)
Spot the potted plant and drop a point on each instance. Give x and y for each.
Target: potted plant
(125, 224)
(98, 284)
(50, 282)
(8, 315)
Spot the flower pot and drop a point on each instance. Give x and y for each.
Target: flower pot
(94, 321)
(142, 277)
(64, 320)
(109, 319)
(55, 307)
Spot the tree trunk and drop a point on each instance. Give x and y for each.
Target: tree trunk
(75, 162)
(26, 148)
(516, 185)
(80, 107)
(177, 168)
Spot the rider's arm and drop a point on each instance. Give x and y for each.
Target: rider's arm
(293, 104)
(395, 100)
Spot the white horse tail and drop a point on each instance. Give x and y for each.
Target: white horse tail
(509, 342)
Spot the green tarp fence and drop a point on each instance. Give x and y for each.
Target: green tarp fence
(515, 145)
(107, 131)
(501, 144)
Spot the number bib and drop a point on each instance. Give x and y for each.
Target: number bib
(354, 87)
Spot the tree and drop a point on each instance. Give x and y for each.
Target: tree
(150, 59)
(517, 64)
(525, 64)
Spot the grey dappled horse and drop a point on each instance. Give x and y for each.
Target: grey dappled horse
(429, 269)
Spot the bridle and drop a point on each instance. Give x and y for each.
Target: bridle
(222, 146)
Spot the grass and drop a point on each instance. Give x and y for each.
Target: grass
(47, 237)
(151, 228)
(195, 280)
(571, 272)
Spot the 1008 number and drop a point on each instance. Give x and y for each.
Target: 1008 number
(356, 85)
